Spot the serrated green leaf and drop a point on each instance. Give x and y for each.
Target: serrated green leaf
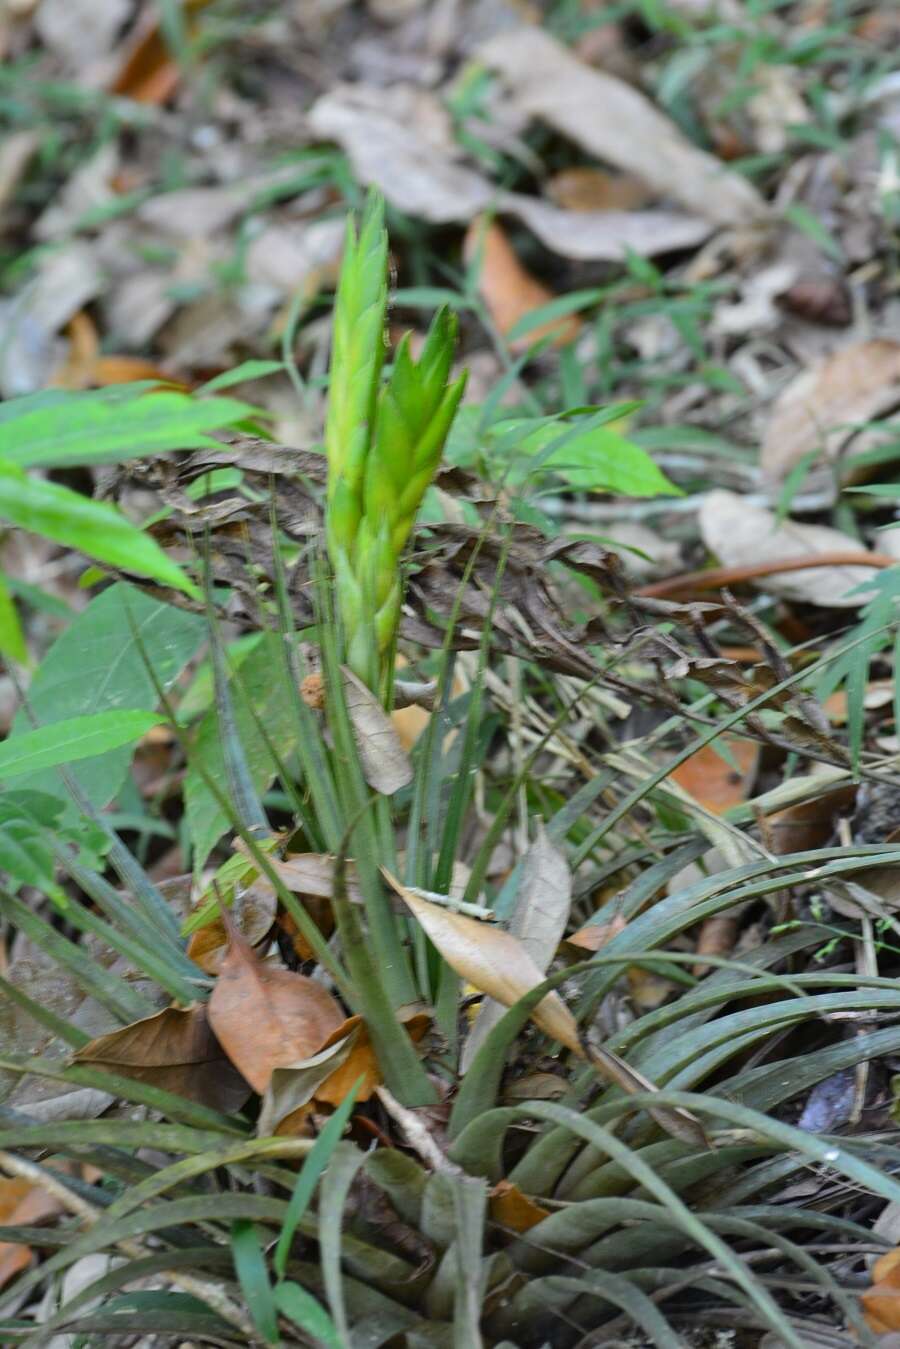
(96, 666)
(597, 460)
(77, 738)
(84, 428)
(92, 527)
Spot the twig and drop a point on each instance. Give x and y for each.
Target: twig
(726, 576)
(417, 1134)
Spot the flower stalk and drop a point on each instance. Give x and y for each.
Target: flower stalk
(384, 441)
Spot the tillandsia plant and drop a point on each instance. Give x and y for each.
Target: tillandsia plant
(384, 444)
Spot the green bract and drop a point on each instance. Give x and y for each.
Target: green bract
(384, 443)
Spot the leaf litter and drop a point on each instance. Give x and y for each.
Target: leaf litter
(761, 341)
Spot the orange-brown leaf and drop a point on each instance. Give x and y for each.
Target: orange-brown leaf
(265, 1017)
(881, 1302)
(593, 936)
(508, 290)
(21, 1203)
(715, 784)
(513, 1209)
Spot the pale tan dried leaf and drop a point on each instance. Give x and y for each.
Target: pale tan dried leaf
(421, 176)
(538, 923)
(605, 235)
(175, 1050)
(819, 409)
(614, 122)
(385, 763)
(741, 534)
(265, 1017)
(491, 960)
(312, 873)
(413, 169)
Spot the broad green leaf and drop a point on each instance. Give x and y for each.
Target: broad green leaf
(250, 1268)
(97, 665)
(302, 1308)
(599, 460)
(309, 1175)
(92, 527)
(86, 429)
(259, 685)
(12, 639)
(77, 738)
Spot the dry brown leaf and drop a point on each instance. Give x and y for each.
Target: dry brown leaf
(648, 990)
(21, 1204)
(594, 936)
(712, 781)
(741, 534)
(881, 1302)
(508, 290)
(385, 763)
(265, 1017)
(808, 825)
(175, 1050)
(718, 935)
(513, 1209)
(253, 909)
(613, 122)
(420, 174)
(819, 409)
(588, 189)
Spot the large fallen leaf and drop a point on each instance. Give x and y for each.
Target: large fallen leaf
(508, 290)
(538, 922)
(422, 177)
(497, 963)
(266, 1017)
(385, 763)
(615, 123)
(821, 409)
(492, 960)
(175, 1050)
(740, 534)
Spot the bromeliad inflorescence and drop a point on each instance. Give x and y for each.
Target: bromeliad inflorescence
(384, 442)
